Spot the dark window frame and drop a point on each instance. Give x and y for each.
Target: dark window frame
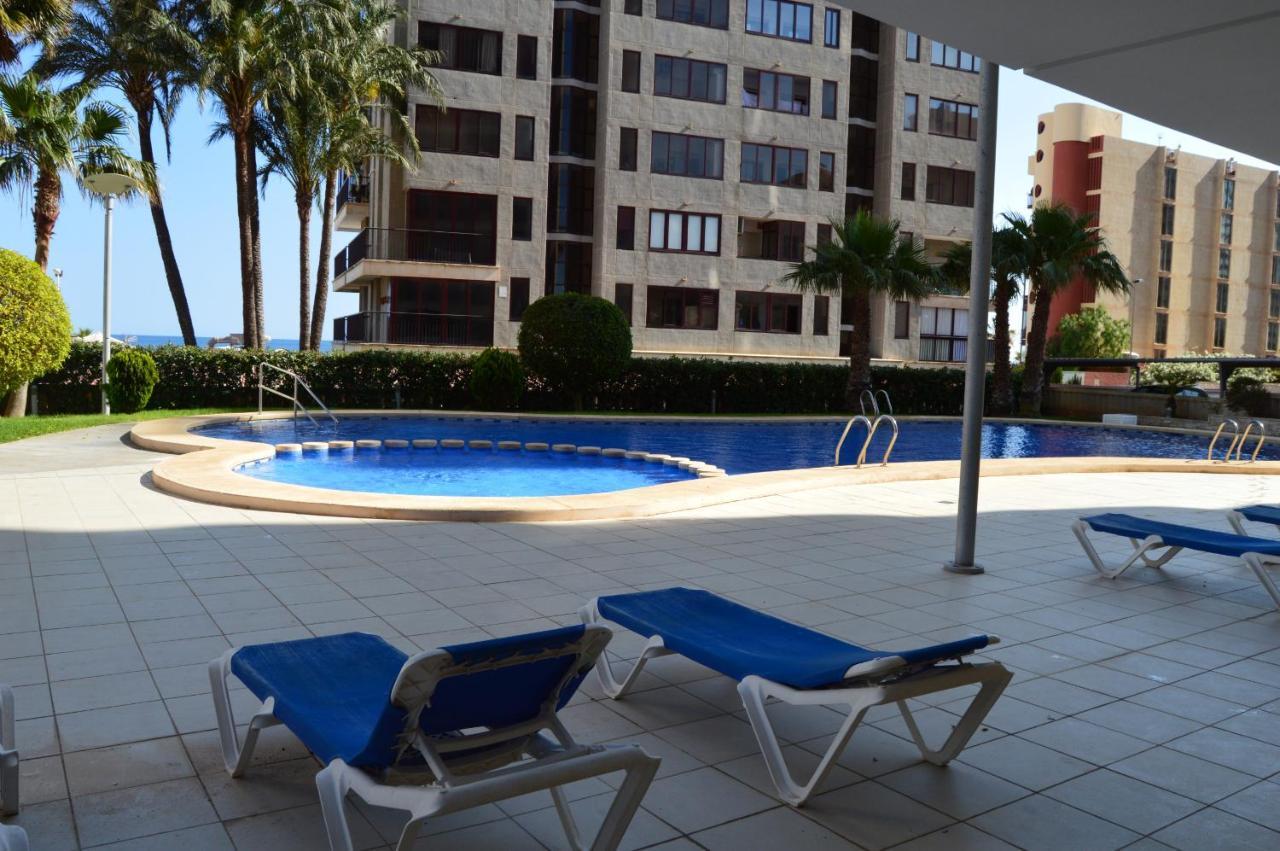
(767, 88)
(830, 99)
(461, 31)
(487, 130)
(941, 56)
(792, 305)
(911, 112)
(961, 115)
(960, 183)
(696, 297)
(522, 221)
(526, 57)
(790, 183)
(779, 6)
(624, 296)
(661, 145)
(625, 231)
(628, 148)
(665, 248)
(692, 67)
(831, 34)
(631, 71)
(821, 316)
(714, 13)
(907, 187)
(529, 123)
(826, 171)
(518, 300)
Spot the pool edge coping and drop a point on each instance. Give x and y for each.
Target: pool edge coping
(203, 469)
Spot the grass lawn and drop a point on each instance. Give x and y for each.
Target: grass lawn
(20, 427)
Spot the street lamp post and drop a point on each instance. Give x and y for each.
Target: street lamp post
(108, 186)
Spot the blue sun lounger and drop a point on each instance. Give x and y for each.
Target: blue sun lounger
(1153, 536)
(773, 658)
(435, 733)
(1268, 514)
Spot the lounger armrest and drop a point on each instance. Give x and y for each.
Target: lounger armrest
(874, 667)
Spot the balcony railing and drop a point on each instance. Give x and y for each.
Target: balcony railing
(423, 246)
(414, 329)
(352, 191)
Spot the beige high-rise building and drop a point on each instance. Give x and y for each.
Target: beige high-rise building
(673, 157)
(1202, 234)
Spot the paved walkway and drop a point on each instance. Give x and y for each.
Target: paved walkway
(1143, 712)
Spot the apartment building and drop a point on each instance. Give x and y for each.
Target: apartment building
(673, 156)
(1201, 235)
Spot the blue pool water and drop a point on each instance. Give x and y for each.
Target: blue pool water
(736, 446)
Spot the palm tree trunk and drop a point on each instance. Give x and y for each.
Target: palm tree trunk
(255, 233)
(244, 188)
(1001, 371)
(304, 270)
(859, 347)
(165, 241)
(44, 213)
(1037, 336)
(324, 266)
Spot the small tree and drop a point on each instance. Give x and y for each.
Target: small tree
(1091, 333)
(35, 328)
(497, 380)
(131, 376)
(574, 342)
(1178, 375)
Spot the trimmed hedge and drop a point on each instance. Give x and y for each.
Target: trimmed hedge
(191, 377)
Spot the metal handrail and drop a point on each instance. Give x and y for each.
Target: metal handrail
(297, 382)
(862, 456)
(1262, 438)
(847, 426)
(862, 403)
(1235, 430)
(888, 403)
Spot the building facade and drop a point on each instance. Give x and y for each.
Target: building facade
(673, 157)
(1201, 236)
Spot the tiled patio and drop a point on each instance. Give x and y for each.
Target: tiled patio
(1143, 712)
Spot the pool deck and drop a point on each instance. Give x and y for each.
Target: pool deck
(1144, 712)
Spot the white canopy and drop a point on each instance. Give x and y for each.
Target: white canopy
(1204, 68)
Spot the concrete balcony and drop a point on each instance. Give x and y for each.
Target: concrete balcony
(406, 253)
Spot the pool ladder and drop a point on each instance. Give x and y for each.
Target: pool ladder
(294, 398)
(872, 425)
(1238, 439)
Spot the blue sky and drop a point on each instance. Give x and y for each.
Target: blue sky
(200, 201)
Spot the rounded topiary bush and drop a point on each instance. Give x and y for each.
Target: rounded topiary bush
(575, 342)
(497, 380)
(35, 328)
(1248, 394)
(131, 376)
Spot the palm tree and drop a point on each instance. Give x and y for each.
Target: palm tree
(44, 133)
(865, 256)
(1007, 267)
(131, 46)
(1058, 246)
(23, 21)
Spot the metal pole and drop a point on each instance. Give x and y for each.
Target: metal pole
(975, 378)
(110, 201)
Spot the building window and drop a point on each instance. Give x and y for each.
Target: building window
(524, 137)
(1163, 290)
(1277, 242)
(1170, 182)
(623, 295)
(681, 307)
(911, 112)
(702, 13)
(864, 82)
(636, 7)
(826, 172)
(831, 29)
(773, 165)
(821, 315)
(946, 56)
(627, 149)
(1228, 194)
(759, 239)
(527, 57)
(458, 313)
(908, 192)
(575, 46)
(571, 199)
(902, 320)
(775, 92)
(1273, 335)
(573, 122)
(568, 267)
(1220, 333)
(1166, 256)
(1224, 230)
(626, 237)
(689, 79)
(948, 186)
(1273, 305)
(860, 169)
(458, 131)
(1162, 329)
(690, 233)
(1224, 262)
(780, 19)
(519, 299)
(686, 156)
(463, 48)
(944, 334)
(950, 118)
(1275, 270)
(631, 71)
(773, 313)
(913, 47)
(1224, 298)
(1166, 220)
(830, 95)
(453, 227)
(864, 33)
(522, 219)
(824, 233)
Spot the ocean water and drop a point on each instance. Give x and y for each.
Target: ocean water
(176, 340)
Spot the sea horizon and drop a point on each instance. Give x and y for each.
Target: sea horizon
(153, 340)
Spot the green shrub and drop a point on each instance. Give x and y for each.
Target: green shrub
(131, 376)
(1248, 394)
(497, 380)
(575, 343)
(35, 328)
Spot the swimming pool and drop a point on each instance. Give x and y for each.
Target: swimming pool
(736, 446)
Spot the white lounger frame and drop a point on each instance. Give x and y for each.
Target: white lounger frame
(1144, 547)
(8, 755)
(448, 784)
(1237, 521)
(866, 685)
